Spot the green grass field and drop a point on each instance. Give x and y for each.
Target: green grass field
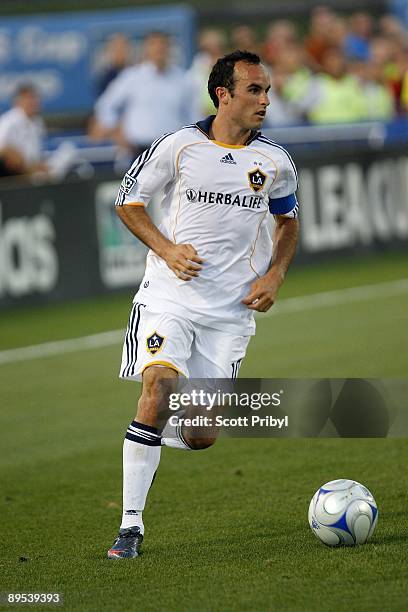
(226, 528)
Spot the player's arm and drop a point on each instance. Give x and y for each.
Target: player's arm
(284, 207)
(149, 174)
(182, 259)
(264, 291)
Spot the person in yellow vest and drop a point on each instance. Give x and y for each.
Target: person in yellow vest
(298, 74)
(390, 54)
(404, 93)
(338, 95)
(380, 104)
(291, 88)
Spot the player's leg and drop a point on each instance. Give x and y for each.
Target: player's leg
(216, 356)
(176, 434)
(147, 335)
(141, 457)
(142, 444)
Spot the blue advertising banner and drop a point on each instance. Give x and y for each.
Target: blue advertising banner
(60, 53)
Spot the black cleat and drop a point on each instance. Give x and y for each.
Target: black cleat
(127, 544)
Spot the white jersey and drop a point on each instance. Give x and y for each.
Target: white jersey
(219, 199)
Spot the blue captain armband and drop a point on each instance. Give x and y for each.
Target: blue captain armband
(287, 206)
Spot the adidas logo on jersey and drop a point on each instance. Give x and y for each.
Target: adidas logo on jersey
(228, 159)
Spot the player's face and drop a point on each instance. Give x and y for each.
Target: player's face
(248, 103)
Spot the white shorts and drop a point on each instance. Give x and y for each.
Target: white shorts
(193, 350)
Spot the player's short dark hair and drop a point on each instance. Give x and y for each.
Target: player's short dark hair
(222, 74)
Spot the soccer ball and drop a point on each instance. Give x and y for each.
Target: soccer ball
(343, 513)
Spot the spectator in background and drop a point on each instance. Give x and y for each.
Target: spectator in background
(391, 28)
(21, 134)
(144, 101)
(280, 35)
(338, 96)
(401, 71)
(381, 51)
(357, 43)
(115, 57)
(397, 37)
(337, 32)
(387, 55)
(22, 131)
(317, 42)
(291, 82)
(404, 94)
(378, 98)
(212, 44)
(244, 37)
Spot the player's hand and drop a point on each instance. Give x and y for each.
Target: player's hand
(263, 293)
(184, 261)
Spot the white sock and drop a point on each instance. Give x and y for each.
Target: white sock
(141, 457)
(172, 436)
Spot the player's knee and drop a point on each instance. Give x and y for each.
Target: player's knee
(197, 443)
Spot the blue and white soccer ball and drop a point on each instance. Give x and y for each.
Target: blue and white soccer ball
(343, 513)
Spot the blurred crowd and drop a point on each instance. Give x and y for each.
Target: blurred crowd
(336, 69)
(342, 69)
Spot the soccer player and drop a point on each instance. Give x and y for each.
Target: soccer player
(211, 264)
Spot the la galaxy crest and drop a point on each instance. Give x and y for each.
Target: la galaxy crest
(154, 343)
(257, 179)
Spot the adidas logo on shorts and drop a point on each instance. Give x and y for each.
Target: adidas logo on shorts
(228, 159)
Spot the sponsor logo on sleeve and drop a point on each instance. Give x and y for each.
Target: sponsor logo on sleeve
(128, 183)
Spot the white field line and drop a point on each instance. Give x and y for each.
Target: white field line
(287, 306)
(340, 296)
(60, 347)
